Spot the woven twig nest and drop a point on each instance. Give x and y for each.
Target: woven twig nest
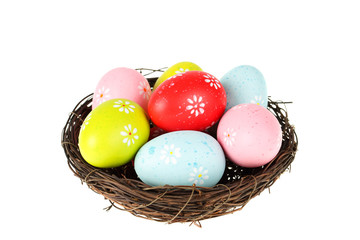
(171, 204)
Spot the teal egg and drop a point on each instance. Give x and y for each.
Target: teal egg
(244, 84)
(181, 158)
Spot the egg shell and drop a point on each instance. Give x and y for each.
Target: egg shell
(244, 84)
(181, 158)
(113, 132)
(180, 67)
(250, 135)
(122, 83)
(194, 100)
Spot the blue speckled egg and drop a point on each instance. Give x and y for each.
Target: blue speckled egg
(181, 158)
(244, 84)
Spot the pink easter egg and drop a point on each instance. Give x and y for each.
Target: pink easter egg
(122, 83)
(250, 135)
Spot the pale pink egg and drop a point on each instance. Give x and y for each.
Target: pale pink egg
(122, 83)
(250, 135)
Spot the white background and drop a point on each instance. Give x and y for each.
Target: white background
(53, 53)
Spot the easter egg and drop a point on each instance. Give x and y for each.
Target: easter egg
(250, 135)
(194, 100)
(113, 132)
(180, 67)
(244, 84)
(122, 83)
(181, 158)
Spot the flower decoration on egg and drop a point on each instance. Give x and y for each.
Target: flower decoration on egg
(170, 154)
(213, 81)
(198, 175)
(196, 106)
(129, 135)
(258, 100)
(175, 76)
(86, 122)
(144, 90)
(181, 70)
(229, 136)
(102, 95)
(124, 106)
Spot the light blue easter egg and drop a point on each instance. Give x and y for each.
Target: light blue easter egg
(244, 84)
(181, 158)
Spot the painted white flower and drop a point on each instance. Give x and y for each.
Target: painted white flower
(213, 81)
(86, 121)
(181, 70)
(102, 95)
(124, 106)
(129, 134)
(175, 76)
(198, 175)
(229, 136)
(144, 90)
(258, 100)
(170, 154)
(196, 106)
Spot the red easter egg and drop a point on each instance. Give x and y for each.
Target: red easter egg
(194, 100)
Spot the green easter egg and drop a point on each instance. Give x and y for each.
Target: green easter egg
(113, 132)
(175, 69)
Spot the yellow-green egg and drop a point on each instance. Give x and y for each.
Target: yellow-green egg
(175, 69)
(113, 132)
